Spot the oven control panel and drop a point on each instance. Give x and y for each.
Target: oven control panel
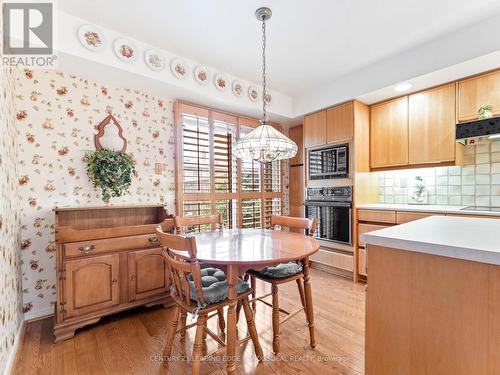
(343, 193)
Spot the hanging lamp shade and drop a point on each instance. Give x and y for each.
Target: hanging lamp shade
(265, 144)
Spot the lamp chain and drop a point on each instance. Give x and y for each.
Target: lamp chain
(264, 71)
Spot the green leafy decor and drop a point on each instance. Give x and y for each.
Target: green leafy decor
(112, 171)
(485, 111)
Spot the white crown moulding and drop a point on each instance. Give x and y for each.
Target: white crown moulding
(69, 42)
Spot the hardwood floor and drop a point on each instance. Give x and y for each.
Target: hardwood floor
(133, 342)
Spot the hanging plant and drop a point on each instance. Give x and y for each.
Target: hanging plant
(112, 171)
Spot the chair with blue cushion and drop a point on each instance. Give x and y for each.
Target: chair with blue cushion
(200, 223)
(200, 292)
(283, 273)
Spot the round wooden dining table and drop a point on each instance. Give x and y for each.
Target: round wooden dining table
(239, 250)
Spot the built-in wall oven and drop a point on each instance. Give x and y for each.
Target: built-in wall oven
(332, 207)
(329, 162)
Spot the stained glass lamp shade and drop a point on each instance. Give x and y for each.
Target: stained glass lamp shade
(265, 144)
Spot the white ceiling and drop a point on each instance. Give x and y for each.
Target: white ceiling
(310, 43)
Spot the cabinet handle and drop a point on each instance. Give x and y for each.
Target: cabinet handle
(86, 249)
(114, 281)
(132, 277)
(153, 240)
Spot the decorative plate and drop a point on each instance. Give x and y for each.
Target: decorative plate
(91, 37)
(179, 68)
(253, 93)
(237, 88)
(269, 99)
(154, 60)
(125, 49)
(220, 82)
(201, 75)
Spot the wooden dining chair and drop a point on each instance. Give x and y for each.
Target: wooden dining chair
(197, 294)
(284, 273)
(216, 221)
(181, 223)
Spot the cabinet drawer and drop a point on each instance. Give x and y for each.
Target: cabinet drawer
(365, 228)
(362, 262)
(76, 249)
(406, 217)
(333, 259)
(377, 216)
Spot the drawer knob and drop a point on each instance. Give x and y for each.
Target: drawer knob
(153, 240)
(114, 281)
(86, 249)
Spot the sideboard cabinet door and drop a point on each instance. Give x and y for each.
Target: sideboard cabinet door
(148, 274)
(92, 284)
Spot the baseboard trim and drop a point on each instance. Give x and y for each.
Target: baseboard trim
(39, 314)
(15, 348)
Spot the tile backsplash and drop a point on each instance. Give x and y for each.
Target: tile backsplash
(477, 183)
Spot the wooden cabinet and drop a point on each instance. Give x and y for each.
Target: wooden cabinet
(315, 129)
(148, 274)
(340, 123)
(107, 260)
(377, 216)
(296, 134)
(296, 191)
(476, 92)
(431, 125)
(389, 134)
(362, 270)
(91, 284)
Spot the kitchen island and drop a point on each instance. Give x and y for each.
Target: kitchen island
(433, 300)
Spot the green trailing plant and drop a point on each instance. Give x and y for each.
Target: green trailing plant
(112, 171)
(486, 111)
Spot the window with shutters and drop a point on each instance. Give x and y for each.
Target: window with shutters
(251, 213)
(196, 153)
(272, 206)
(229, 209)
(210, 179)
(197, 208)
(225, 163)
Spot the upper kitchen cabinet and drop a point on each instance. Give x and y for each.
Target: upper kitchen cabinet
(340, 123)
(431, 125)
(476, 92)
(315, 129)
(389, 134)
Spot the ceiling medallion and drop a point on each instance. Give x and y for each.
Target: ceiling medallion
(265, 143)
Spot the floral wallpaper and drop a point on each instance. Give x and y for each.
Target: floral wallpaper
(10, 256)
(57, 115)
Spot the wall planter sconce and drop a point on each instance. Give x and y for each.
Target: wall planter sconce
(110, 135)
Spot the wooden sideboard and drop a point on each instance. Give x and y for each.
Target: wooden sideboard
(108, 260)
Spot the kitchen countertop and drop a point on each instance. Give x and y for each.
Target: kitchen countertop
(425, 208)
(474, 239)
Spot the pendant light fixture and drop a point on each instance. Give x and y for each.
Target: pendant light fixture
(265, 143)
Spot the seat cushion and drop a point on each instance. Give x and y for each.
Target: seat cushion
(214, 285)
(280, 271)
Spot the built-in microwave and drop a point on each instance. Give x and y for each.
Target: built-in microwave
(329, 162)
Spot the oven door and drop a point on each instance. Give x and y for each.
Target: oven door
(334, 220)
